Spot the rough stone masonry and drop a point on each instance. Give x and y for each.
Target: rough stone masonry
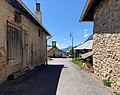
(106, 45)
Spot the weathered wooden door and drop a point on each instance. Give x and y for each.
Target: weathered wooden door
(31, 55)
(25, 50)
(14, 44)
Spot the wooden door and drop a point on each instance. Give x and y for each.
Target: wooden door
(25, 50)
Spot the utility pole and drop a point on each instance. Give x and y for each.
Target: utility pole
(71, 35)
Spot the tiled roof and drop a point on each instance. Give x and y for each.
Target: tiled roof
(86, 55)
(86, 45)
(48, 48)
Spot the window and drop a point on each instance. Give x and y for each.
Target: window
(39, 30)
(17, 17)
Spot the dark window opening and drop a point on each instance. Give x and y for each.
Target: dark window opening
(39, 32)
(54, 55)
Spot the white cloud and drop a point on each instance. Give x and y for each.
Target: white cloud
(58, 46)
(86, 35)
(68, 41)
(65, 39)
(85, 30)
(63, 44)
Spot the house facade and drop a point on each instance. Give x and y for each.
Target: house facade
(23, 42)
(53, 51)
(106, 38)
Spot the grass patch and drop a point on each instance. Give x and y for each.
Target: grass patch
(83, 76)
(106, 82)
(78, 62)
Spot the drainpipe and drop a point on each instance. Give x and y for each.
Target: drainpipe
(46, 49)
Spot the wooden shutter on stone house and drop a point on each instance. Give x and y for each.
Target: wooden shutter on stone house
(14, 43)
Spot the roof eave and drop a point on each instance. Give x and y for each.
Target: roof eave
(89, 9)
(86, 10)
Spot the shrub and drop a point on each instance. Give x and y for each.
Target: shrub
(106, 82)
(115, 93)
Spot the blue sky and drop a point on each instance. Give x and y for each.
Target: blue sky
(61, 17)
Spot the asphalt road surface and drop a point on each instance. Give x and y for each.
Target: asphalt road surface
(60, 77)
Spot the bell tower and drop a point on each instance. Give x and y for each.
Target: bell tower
(53, 43)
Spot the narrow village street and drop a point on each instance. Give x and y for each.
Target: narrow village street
(60, 77)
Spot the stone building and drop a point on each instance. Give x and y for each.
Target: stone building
(53, 51)
(106, 45)
(22, 39)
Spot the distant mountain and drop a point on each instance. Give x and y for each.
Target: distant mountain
(49, 45)
(77, 45)
(66, 49)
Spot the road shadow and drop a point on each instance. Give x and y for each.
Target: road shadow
(42, 80)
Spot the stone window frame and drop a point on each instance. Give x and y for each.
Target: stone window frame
(17, 16)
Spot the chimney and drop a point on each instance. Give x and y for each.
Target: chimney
(53, 43)
(38, 12)
(37, 6)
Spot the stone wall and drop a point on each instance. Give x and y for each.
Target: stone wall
(5, 13)
(36, 44)
(106, 46)
(30, 43)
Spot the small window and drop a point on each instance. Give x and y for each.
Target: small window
(39, 30)
(17, 17)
